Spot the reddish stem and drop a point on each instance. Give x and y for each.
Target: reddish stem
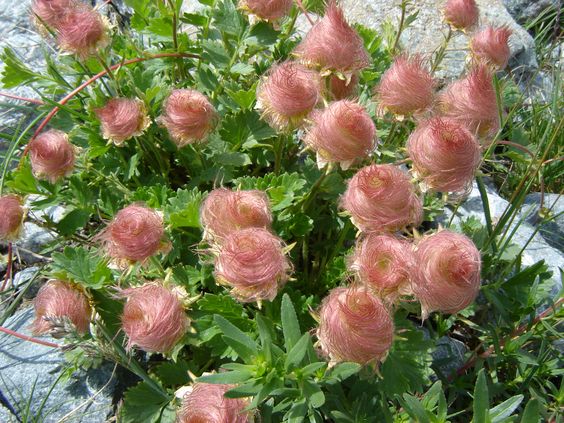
(304, 11)
(8, 267)
(28, 338)
(17, 97)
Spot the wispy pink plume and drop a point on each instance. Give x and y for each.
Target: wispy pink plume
(343, 88)
(268, 10)
(13, 213)
(491, 45)
(51, 12)
(461, 14)
(82, 31)
(447, 276)
(381, 198)
(52, 156)
(123, 118)
(153, 318)
(354, 325)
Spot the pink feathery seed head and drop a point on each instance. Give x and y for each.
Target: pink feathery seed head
(287, 95)
(354, 325)
(123, 118)
(343, 132)
(333, 44)
(188, 116)
(461, 14)
(135, 234)
(445, 155)
(407, 87)
(13, 215)
(50, 12)
(253, 263)
(447, 272)
(82, 31)
(58, 301)
(153, 317)
(342, 88)
(268, 10)
(381, 198)
(472, 101)
(385, 264)
(52, 155)
(491, 45)
(206, 403)
(225, 211)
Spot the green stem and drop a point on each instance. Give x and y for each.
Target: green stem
(315, 188)
(338, 246)
(400, 29)
(486, 207)
(278, 151)
(441, 52)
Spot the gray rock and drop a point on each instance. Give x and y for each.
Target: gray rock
(552, 230)
(23, 276)
(34, 239)
(525, 11)
(448, 355)
(28, 369)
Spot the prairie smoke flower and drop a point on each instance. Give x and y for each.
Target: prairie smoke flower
(287, 95)
(135, 234)
(58, 303)
(461, 14)
(51, 12)
(447, 272)
(384, 264)
(82, 31)
(332, 44)
(188, 116)
(381, 198)
(13, 214)
(472, 102)
(354, 326)
(153, 318)
(343, 132)
(445, 155)
(406, 87)
(342, 88)
(268, 10)
(52, 156)
(252, 262)
(225, 211)
(123, 118)
(206, 403)
(491, 46)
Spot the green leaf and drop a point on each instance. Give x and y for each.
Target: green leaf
(215, 53)
(342, 371)
(72, 221)
(173, 374)
(532, 412)
(500, 412)
(297, 353)
(415, 409)
(265, 336)
(262, 34)
(140, 404)
(290, 324)
(81, 266)
(313, 393)
(232, 332)
(312, 368)
(242, 69)
(15, 73)
(227, 19)
(481, 399)
(194, 19)
(283, 190)
(235, 376)
(184, 209)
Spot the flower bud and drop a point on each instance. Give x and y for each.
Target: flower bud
(52, 155)
(343, 132)
(82, 31)
(445, 155)
(57, 304)
(123, 118)
(153, 318)
(253, 263)
(447, 272)
(491, 46)
(206, 403)
(287, 95)
(354, 326)
(384, 264)
(342, 88)
(472, 102)
(333, 44)
(225, 211)
(381, 198)
(268, 10)
(407, 87)
(188, 116)
(13, 215)
(461, 14)
(51, 12)
(135, 234)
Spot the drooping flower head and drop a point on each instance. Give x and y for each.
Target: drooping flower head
(225, 211)
(333, 44)
(472, 102)
(135, 234)
(268, 10)
(51, 12)
(52, 156)
(342, 88)
(123, 118)
(253, 264)
(491, 45)
(447, 275)
(384, 264)
(445, 155)
(153, 318)
(13, 214)
(188, 116)
(343, 132)
(287, 95)
(407, 87)
(82, 31)
(461, 14)
(354, 326)
(206, 403)
(381, 198)
(57, 304)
